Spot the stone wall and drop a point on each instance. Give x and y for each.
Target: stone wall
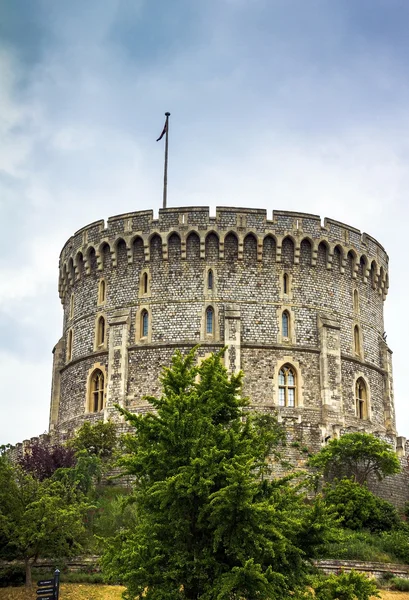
(137, 272)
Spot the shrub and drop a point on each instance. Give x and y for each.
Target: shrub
(353, 545)
(359, 508)
(400, 584)
(346, 586)
(396, 543)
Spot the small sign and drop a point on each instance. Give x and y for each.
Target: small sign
(52, 592)
(45, 582)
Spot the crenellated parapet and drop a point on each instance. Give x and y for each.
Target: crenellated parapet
(357, 253)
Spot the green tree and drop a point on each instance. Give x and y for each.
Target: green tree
(358, 456)
(100, 439)
(210, 524)
(36, 518)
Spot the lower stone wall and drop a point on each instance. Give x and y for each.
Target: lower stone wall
(374, 569)
(327, 566)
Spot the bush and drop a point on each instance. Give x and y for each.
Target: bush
(347, 586)
(354, 545)
(358, 508)
(12, 576)
(396, 543)
(402, 585)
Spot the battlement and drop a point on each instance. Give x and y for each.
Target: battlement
(366, 253)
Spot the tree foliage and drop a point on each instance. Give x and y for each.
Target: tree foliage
(42, 459)
(37, 518)
(210, 523)
(358, 508)
(98, 440)
(358, 456)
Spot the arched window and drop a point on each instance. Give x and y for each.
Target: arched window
(285, 323)
(361, 399)
(286, 286)
(96, 400)
(102, 291)
(210, 279)
(286, 386)
(356, 301)
(101, 331)
(210, 320)
(145, 283)
(69, 345)
(357, 341)
(144, 323)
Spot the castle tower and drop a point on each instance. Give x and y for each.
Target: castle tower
(298, 304)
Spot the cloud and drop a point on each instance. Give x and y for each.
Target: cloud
(274, 104)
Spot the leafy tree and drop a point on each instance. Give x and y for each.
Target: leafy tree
(36, 518)
(358, 456)
(210, 524)
(99, 439)
(358, 508)
(42, 459)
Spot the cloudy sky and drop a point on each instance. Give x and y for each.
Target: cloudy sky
(278, 104)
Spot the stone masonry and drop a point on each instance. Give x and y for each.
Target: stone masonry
(148, 279)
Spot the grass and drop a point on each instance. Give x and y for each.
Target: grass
(75, 591)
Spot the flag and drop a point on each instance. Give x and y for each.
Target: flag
(164, 130)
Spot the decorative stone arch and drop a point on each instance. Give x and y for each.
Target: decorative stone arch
(102, 291)
(191, 235)
(355, 300)
(79, 265)
(286, 285)
(375, 271)
(289, 360)
(265, 242)
(173, 235)
(295, 249)
(339, 250)
(313, 249)
(252, 235)
(156, 237)
(351, 253)
(140, 337)
(205, 250)
(215, 335)
(71, 307)
(286, 309)
(229, 234)
(134, 247)
(359, 375)
(90, 256)
(70, 343)
(100, 254)
(71, 271)
(101, 331)
(145, 283)
(357, 340)
(329, 251)
(128, 249)
(364, 267)
(210, 281)
(88, 398)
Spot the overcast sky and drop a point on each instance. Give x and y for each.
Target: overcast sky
(278, 104)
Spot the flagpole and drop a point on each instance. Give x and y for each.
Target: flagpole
(165, 173)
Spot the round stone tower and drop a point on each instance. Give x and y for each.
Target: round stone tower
(297, 303)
